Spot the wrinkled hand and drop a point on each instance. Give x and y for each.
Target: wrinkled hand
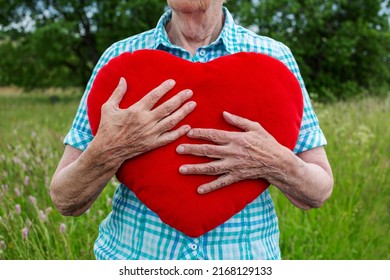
(249, 154)
(139, 128)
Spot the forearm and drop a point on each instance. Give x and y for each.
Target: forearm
(306, 184)
(122, 134)
(76, 186)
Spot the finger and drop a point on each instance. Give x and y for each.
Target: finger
(171, 121)
(220, 182)
(119, 92)
(205, 150)
(213, 135)
(150, 99)
(173, 135)
(172, 104)
(240, 122)
(210, 168)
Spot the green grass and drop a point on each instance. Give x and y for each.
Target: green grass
(31, 133)
(353, 224)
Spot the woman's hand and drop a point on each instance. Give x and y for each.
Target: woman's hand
(305, 179)
(139, 128)
(123, 133)
(242, 155)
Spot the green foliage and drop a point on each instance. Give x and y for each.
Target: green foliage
(342, 47)
(57, 43)
(30, 146)
(353, 224)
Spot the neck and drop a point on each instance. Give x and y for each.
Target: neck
(196, 29)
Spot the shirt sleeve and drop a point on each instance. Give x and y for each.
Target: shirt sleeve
(80, 134)
(310, 134)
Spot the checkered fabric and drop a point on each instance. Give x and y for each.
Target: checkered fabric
(131, 230)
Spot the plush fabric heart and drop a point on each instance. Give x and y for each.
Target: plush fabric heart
(251, 85)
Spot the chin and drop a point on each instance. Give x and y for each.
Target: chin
(189, 6)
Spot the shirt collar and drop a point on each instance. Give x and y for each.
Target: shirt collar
(228, 35)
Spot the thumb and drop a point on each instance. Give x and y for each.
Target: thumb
(119, 92)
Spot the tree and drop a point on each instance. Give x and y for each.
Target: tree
(57, 43)
(342, 46)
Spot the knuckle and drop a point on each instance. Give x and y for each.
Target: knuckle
(214, 135)
(257, 125)
(220, 184)
(189, 149)
(106, 107)
(169, 124)
(183, 112)
(154, 95)
(217, 185)
(170, 107)
(195, 132)
(165, 140)
(211, 169)
(207, 150)
(168, 138)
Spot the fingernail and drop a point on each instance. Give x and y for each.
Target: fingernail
(188, 93)
(201, 190)
(183, 169)
(190, 133)
(172, 83)
(192, 105)
(180, 149)
(121, 81)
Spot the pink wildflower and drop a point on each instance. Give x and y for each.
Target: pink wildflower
(17, 191)
(18, 209)
(33, 200)
(16, 160)
(42, 216)
(3, 246)
(26, 181)
(25, 233)
(62, 228)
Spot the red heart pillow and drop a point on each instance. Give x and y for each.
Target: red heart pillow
(252, 85)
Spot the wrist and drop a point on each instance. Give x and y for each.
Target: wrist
(285, 166)
(98, 153)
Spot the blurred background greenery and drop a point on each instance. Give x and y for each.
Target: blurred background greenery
(49, 48)
(342, 46)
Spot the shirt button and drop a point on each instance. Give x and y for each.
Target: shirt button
(202, 52)
(194, 246)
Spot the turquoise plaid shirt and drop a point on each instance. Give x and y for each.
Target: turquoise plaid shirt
(131, 230)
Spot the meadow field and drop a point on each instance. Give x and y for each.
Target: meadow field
(354, 224)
